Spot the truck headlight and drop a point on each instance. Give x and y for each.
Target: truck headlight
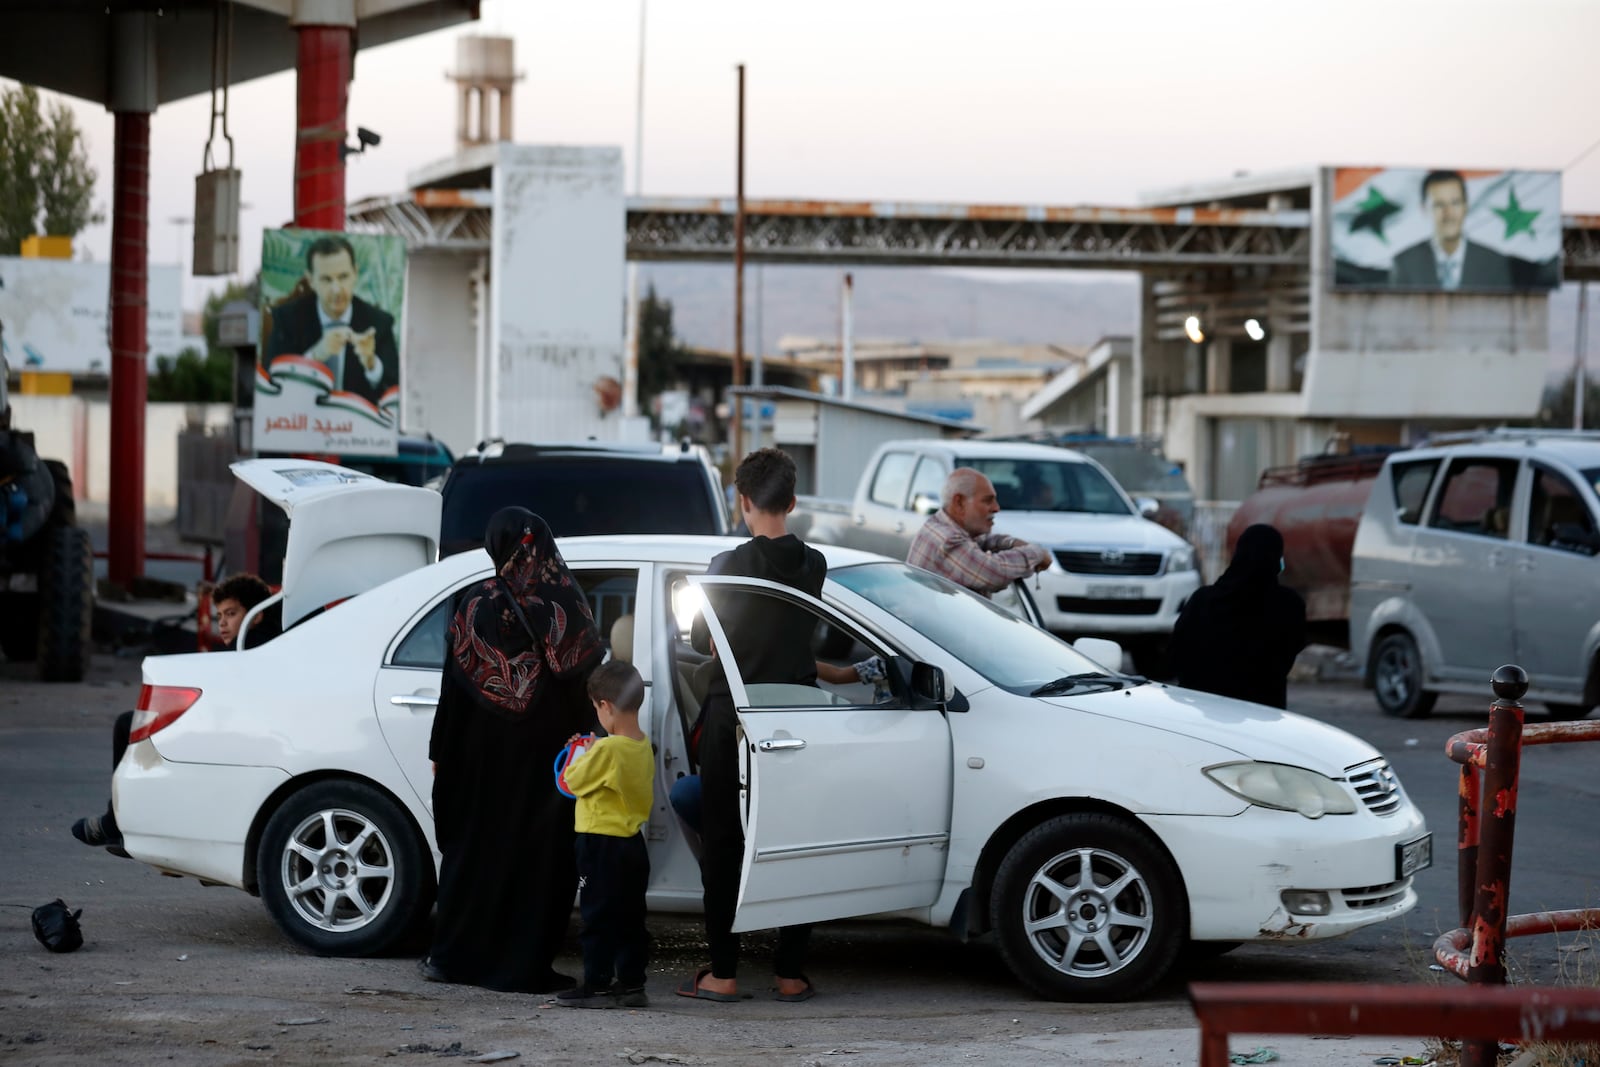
(1181, 559)
(1276, 785)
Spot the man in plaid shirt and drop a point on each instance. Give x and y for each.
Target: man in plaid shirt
(958, 541)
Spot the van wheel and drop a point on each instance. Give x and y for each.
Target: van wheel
(1088, 907)
(343, 871)
(1397, 678)
(1566, 712)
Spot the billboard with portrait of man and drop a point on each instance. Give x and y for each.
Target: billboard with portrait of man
(328, 365)
(1416, 230)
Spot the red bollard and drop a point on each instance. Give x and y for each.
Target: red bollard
(1497, 822)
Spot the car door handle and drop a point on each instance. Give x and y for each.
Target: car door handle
(414, 700)
(900, 527)
(781, 744)
(1496, 557)
(861, 520)
(1525, 564)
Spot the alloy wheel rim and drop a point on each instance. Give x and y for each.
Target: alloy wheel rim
(338, 870)
(1394, 676)
(1088, 913)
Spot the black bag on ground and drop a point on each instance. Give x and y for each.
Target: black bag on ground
(56, 927)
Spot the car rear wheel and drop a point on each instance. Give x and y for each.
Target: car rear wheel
(1089, 907)
(343, 870)
(1397, 678)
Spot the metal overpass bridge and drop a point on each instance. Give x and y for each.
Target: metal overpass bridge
(879, 233)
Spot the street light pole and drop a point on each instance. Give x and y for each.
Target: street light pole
(630, 362)
(737, 402)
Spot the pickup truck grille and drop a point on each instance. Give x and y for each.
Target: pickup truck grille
(1109, 561)
(1377, 787)
(1083, 605)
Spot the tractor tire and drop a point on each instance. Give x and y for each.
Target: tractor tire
(66, 605)
(64, 509)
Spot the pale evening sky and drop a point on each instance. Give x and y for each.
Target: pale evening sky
(1003, 101)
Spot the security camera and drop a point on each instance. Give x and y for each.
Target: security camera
(368, 140)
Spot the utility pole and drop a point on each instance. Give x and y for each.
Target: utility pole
(630, 361)
(1580, 357)
(736, 404)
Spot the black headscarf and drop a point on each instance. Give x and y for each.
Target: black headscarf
(1253, 572)
(1239, 636)
(531, 620)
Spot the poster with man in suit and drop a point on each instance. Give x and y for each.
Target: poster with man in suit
(328, 373)
(1469, 231)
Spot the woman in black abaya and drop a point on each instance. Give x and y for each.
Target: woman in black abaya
(521, 645)
(1239, 636)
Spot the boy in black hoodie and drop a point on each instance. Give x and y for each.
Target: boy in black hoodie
(773, 645)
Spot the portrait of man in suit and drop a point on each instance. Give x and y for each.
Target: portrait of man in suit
(333, 326)
(1447, 260)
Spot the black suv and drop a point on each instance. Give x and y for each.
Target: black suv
(581, 489)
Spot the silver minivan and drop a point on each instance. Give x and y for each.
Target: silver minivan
(1477, 551)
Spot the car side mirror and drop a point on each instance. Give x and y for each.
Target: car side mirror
(923, 504)
(1104, 651)
(1147, 505)
(928, 685)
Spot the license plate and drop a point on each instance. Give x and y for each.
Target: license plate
(1116, 592)
(1413, 856)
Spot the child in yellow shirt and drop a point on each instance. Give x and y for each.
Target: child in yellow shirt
(613, 784)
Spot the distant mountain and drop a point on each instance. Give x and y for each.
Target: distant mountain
(903, 303)
(934, 305)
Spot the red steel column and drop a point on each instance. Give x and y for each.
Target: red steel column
(322, 92)
(129, 258)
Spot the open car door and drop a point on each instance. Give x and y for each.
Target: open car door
(846, 787)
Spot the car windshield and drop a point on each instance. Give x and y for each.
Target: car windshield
(579, 496)
(1009, 651)
(1050, 485)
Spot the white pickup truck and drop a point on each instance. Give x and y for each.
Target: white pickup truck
(1113, 572)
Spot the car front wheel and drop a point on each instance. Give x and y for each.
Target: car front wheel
(343, 871)
(1089, 907)
(1397, 678)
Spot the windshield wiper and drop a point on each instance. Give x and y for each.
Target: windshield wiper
(1073, 681)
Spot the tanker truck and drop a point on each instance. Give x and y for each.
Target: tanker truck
(1316, 504)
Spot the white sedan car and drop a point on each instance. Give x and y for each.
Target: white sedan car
(1092, 822)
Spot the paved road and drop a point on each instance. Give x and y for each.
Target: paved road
(181, 974)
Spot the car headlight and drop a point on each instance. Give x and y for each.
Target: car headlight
(1276, 785)
(1181, 559)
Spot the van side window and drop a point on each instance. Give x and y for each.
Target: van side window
(893, 477)
(1411, 482)
(1476, 498)
(1558, 517)
(928, 481)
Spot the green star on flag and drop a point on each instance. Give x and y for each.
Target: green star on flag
(1372, 213)
(1516, 219)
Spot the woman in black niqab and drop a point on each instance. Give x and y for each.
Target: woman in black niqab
(520, 647)
(1239, 636)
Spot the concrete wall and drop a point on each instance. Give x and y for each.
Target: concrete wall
(441, 349)
(558, 295)
(77, 431)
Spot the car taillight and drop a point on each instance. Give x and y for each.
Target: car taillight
(159, 707)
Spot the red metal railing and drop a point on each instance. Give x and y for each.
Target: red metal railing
(1483, 1014)
(1476, 950)
(1487, 1012)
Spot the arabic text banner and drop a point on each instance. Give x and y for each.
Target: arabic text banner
(328, 365)
(1416, 230)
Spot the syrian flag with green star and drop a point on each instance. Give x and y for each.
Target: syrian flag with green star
(1499, 230)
